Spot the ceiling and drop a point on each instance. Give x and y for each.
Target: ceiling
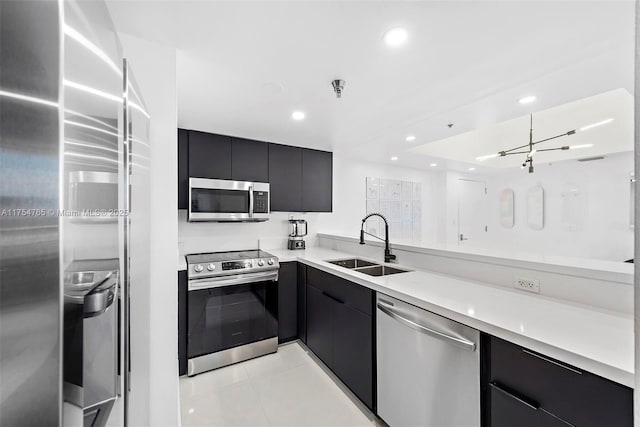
(243, 67)
(607, 137)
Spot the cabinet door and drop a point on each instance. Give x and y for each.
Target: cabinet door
(249, 160)
(317, 181)
(183, 169)
(288, 302)
(319, 324)
(302, 302)
(567, 392)
(182, 322)
(209, 155)
(508, 410)
(353, 351)
(285, 175)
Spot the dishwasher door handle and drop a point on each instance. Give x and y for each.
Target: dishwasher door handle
(460, 342)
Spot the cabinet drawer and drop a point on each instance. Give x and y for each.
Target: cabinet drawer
(354, 295)
(508, 410)
(577, 396)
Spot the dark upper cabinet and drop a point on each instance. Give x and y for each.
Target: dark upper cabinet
(320, 324)
(285, 172)
(521, 384)
(209, 155)
(288, 301)
(183, 169)
(317, 181)
(301, 179)
(249, 160)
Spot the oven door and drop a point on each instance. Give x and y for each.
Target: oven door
(219, 200)
(232, 311)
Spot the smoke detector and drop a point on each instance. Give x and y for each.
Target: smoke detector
(338, 86)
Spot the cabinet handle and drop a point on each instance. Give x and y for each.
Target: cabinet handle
(546, 359)
(332, 297)
(525, 401)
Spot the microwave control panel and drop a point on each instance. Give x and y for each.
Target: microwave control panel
(260, 202)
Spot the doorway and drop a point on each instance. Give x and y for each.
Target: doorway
(472, 212)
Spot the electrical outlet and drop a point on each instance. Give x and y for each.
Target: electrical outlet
(530, 285)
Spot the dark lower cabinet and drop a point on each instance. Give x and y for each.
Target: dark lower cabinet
(510, 411)
(288, 302)
(320, 324)
(352, 350)
(182, 322)
(526, 388)
(340, 332)
(302, 304)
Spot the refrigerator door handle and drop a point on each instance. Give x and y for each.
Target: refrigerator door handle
(460, 342)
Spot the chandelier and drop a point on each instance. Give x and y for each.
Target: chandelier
(531, 148)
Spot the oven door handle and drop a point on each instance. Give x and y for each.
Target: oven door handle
(236, 279)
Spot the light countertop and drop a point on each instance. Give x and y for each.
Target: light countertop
(182, 262)
(615, 271)
(595, 340)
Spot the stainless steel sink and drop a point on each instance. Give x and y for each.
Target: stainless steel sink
(381, 270)
(352, 263)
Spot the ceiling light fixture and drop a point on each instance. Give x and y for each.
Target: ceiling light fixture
(411, 138)
(298, 115)
(488, 156)
(395, 37)
(394, 158)
(472, 169)
(574, 147)
(433, 165)
(527, 99)
(530, 150)
(338, 87)
(594, 125)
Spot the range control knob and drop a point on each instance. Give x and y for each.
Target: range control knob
(198, 268)
(211, 267)
(270, 262)
(260, 263)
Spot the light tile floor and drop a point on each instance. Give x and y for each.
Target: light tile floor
(288, 388)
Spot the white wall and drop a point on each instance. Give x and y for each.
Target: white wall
(349, 207)
(603, 227)
(154, 325)
(601, 232)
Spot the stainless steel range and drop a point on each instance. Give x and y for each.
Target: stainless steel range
(232, 308)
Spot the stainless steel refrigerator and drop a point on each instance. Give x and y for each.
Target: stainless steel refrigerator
(74, 208)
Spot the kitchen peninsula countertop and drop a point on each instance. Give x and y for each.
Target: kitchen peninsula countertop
(598, 341)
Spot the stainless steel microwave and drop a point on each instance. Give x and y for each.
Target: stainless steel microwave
(222, 200)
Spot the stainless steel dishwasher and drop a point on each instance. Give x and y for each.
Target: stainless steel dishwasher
(428, 367)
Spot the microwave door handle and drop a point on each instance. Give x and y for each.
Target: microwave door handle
(250, 201)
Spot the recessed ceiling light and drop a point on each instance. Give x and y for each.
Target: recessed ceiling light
(396, 37)
(527, 99)
(433, 165)
(411, 138)
(394, 158)
(472, 169)
(298, 115)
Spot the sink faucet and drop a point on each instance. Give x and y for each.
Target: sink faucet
(388, 256)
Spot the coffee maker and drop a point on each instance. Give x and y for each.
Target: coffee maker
(297, 231)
